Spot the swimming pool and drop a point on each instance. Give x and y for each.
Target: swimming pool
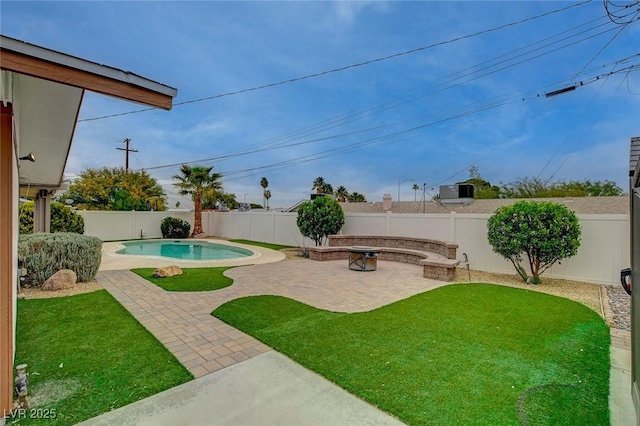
(184, 250)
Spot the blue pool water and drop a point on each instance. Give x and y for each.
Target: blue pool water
(186, 250)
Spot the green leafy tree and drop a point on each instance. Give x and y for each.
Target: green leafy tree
(586, 188)
(544, 233)
(319, 218)
(63, 219)
(525, 188)
(193, 180)
(536, 188)
(341, 193)
(213, 198)
(482, 189)
(356, 197)
(114, 189)
(123, 201)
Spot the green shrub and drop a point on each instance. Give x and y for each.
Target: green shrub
(545, 232)
(25, 214)
(173, 227)
(63, 219)
(44, 254)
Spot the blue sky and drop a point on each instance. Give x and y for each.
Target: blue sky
(426, 116)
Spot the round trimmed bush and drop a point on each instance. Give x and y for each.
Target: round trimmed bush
(173, 227)
(536, 233)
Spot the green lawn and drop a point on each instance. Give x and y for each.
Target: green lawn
(191, 279)
(468, 354)
(260, 244)
(88, 355)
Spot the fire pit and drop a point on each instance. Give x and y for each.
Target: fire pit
(363, 258)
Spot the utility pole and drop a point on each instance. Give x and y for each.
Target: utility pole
(127, 151)
(424, 197)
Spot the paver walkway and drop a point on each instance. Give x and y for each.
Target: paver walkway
(182, 321)
(204, 344)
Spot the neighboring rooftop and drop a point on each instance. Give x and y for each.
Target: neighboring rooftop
(580, 205)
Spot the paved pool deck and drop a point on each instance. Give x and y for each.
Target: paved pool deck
(240, 381)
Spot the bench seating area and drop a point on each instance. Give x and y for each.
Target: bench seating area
(438, 258)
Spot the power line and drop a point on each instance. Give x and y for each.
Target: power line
(505, 140)
(387, 138)
(384, 106)
(580, 139)
(487, 105)
(586, 107)
(352, 66)
(614, 11)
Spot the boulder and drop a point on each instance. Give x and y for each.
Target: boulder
(167, 271)
(61, 280)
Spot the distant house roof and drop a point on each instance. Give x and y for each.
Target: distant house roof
(580, 205)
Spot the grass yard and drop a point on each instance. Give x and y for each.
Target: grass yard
(470, 353)
(259, 244)
(87, 355)
(191, 279)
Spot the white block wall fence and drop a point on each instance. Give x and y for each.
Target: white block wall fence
(604, 250)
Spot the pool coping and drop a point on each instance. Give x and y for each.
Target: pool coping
(113, 261)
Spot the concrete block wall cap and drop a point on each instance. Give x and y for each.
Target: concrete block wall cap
(448, 263)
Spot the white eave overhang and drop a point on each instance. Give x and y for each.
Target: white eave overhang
(46, 88)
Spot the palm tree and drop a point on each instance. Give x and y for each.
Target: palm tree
(192, 181)
(319, 185)
(264, 183)
(267, 195)
(341, 193)
(415, 188)
(356, 197)
(327, 188)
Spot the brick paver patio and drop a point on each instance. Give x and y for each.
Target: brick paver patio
(204, 344)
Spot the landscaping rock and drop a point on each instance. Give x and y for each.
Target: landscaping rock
(167, 271)
(61, 280)
(620, 303)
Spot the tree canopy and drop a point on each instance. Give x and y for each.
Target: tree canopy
(320, 217)
(356, 197)
(264, 183)
(213, 199)
(63, 219)
(533, 187)
(194, 180)
(115, 189)
(537, 188)
(341, 193)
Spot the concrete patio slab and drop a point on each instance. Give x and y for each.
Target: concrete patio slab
(620, 401)
(268, 389)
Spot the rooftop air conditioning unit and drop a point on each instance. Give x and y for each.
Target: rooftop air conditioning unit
(456, 194)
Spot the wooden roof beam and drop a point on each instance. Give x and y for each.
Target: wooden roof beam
(24, 58)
